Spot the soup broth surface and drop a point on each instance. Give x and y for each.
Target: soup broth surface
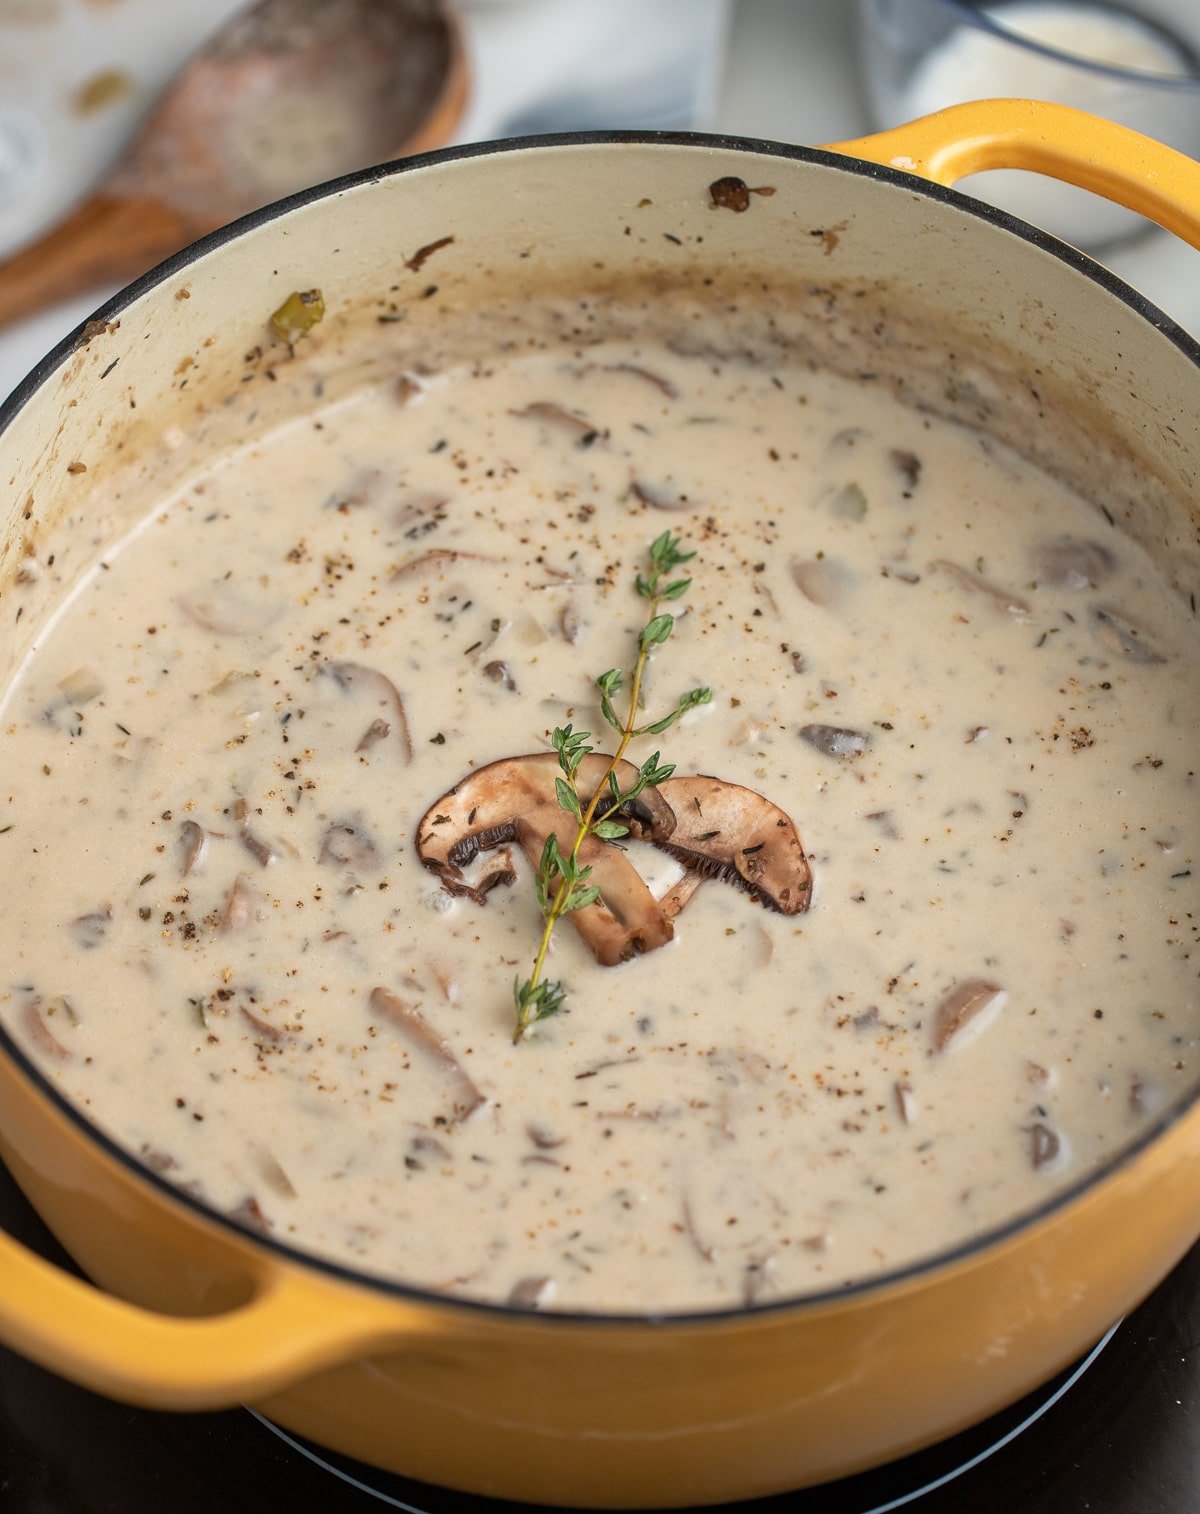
(974, 698)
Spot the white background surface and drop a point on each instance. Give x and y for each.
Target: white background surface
(788, 75)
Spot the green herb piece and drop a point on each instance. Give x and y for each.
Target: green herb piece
(298, 314)
(561, 882)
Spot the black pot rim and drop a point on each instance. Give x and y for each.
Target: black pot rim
(925, 1268)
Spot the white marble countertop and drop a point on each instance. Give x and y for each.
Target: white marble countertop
(789, 76)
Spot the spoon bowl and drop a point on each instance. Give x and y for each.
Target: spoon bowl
(288, 93)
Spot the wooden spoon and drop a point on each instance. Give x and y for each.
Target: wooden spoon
(286, 94)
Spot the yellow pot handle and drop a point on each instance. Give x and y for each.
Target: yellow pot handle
(294, 1324)
(1066, 144)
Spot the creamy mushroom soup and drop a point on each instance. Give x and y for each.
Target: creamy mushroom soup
(914, 945)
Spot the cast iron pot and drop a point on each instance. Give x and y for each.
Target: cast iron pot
(892, 274)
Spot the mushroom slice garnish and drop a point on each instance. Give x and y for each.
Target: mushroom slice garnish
(515, 800)
(679, 894)
(725, 831)
(354, 675)
(421, 1034)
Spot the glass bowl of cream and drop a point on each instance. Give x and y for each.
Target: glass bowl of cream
(1137, 64)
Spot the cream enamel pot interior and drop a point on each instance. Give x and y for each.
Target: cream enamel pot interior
(955, 307)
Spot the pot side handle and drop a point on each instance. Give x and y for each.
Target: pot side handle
(1057, 140)
(292, 1325)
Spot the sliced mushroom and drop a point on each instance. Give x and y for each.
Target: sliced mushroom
(262, 853)
(195, 846)
(376, 731)
(659, 499)
(426, 1148)
(273, 1174)
(354, 675)
(80, 687)
(758, 1277)
(975, 583)
(663, 385)
(725, 831)
(703, 1248)
(584, 432)
(40, 1034)
(437, 560)
(715, 829)
(822, 580)
(906, 1102)
(264, 1029)
(836, 740)
(969, 1008)
(250, 1216)
(348, 843)
(1069, 563)
(408, 389)
(1044, 1144)
(569, 623)
(239, 907)
(223, 609)
(497, 872)
(514, 800)
(421, 1034)
(421, 513)
(1117, 634)
(906, 463)
(543, 1139)
(90, 929)
(848, 503)
(532, 1293)
(500, 672)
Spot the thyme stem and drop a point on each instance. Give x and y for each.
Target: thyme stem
(561, 881)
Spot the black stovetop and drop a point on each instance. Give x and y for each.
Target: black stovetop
(1118, 1434)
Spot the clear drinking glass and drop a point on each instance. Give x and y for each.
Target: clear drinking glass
(1138, 64)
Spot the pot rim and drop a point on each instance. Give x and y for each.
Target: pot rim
(913, 1273)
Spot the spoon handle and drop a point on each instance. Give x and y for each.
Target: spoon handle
(109, 239)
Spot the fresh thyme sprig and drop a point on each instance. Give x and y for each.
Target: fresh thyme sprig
(561, 882)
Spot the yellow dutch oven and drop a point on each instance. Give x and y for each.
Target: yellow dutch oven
(961, 308)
